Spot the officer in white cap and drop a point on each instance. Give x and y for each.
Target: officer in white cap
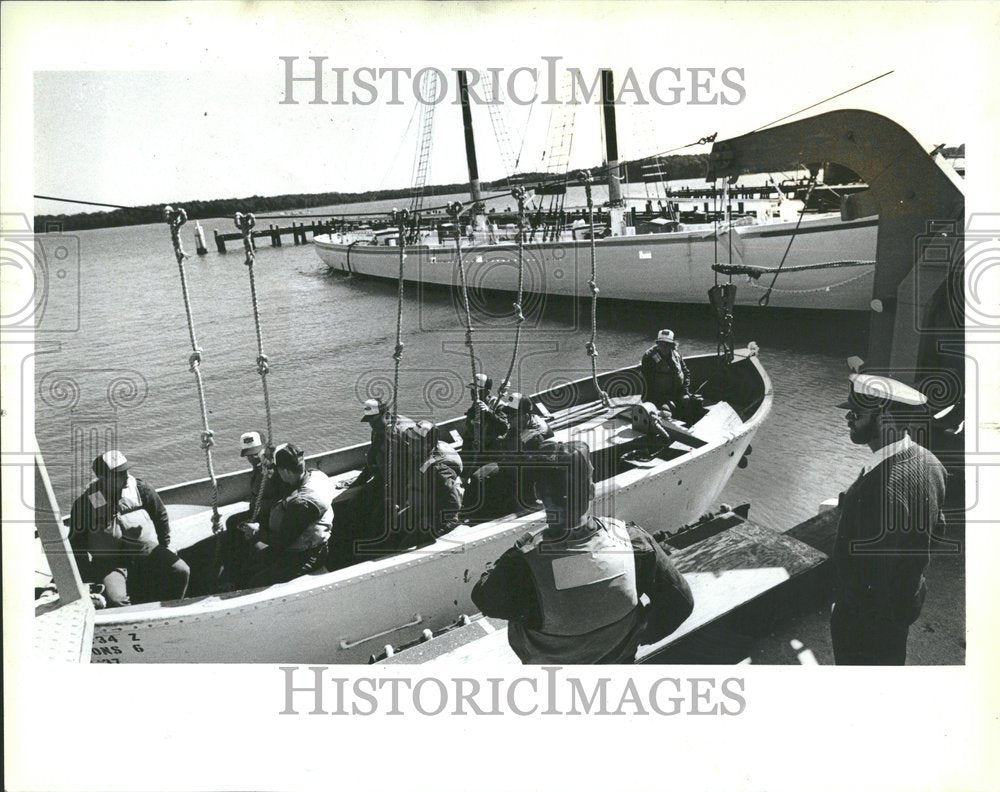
(888, 519)
(120, 535)
(665, 375)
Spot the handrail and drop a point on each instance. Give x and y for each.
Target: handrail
(345, 644)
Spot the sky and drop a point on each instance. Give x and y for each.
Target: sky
(115, 121)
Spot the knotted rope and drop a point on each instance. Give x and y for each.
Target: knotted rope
(588, 180)
(518, 194)
(245, 224)
(397, 356)
(175, 218)
(455, 209)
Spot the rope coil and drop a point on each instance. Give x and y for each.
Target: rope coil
(175, 218)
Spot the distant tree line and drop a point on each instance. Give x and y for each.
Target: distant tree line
(686, 166)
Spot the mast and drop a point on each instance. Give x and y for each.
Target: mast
(617, 211)
(475, 194)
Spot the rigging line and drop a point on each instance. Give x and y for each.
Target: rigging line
(456, 210)
(175, 218)
(518, 194)
(391, 479)
(245, 223)
(95, 203)
(766, 297)
(824, 101)
(399, 148)
(587, 180)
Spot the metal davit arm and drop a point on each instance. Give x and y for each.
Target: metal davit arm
(912, 195)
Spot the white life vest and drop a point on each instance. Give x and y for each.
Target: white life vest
(587, 593)
(127, 525)
(317, 489)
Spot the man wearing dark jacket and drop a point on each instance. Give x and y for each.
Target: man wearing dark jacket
(298, 525)
(499, 485)
(120, 536)
(889, 517)
(571, 590)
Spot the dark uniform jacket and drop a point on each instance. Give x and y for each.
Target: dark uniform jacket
(483, 428)
(527, 439)
(665, 377)
(435, 493)
(888, 517)
(590, 620)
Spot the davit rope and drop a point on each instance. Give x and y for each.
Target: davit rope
(588, 180)
(399, 217)
(766, 297)
(245, 223)
(175, 218)
(518, 194)
(455, 209)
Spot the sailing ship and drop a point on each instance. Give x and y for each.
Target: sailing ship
(818, 261)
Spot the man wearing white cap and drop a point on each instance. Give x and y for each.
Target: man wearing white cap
(120, 535)
(665, 375)
(888, 518)
(251, 446)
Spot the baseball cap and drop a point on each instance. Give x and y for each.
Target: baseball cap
(372, 409)
(250, 443)
(666, 336)
(288, 456)
(874, 391)
(481, 382)
(109, 461)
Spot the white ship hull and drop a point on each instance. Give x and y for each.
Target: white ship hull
(673, 267)
(346, 616)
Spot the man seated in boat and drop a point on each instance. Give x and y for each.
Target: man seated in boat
(120, 535)
(499, 486)
(251, 448)
(571, 590)
(373, 476)
(266, 486)
(485, 424)
(293, 538)
(434, 490)
(665, 376)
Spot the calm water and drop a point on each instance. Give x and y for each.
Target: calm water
(124, 373)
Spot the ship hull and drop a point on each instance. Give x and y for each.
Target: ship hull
(669, 267)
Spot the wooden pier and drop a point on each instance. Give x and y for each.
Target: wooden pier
(300, 234)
